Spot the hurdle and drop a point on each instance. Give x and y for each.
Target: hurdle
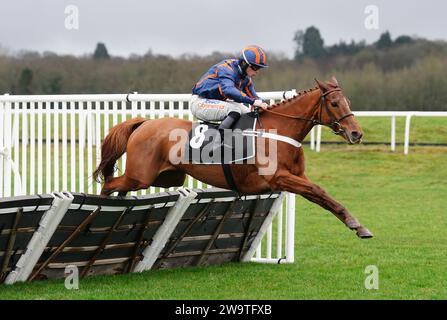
(42, 235)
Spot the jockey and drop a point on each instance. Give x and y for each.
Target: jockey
(223, 90)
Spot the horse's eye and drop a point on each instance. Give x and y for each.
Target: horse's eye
(334, 103)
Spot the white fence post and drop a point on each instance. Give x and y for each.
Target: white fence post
(255, 245)
(48, 177)
(39, 147)
(16, 147)
(393, 133)
(7, 150)
(312, 139)
(5, 156)
(317, 149)
(407, 133)
(290, 225)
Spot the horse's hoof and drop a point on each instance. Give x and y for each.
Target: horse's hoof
(353, 224)
(364, 233)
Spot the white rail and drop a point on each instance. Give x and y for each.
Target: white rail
(41, 132)
(315, 143)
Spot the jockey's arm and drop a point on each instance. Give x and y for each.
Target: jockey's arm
(230, 91)
(258, 101)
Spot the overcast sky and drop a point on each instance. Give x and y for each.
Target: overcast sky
(203, 26)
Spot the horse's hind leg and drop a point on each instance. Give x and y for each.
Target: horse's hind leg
(143, 165)
(122, 185)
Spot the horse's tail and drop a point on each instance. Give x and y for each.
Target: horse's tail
(114, 146)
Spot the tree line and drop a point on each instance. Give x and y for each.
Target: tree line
(405, 73)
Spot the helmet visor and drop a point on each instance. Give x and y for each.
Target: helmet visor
(255, 67)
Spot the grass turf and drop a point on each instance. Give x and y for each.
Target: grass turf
(401, 199)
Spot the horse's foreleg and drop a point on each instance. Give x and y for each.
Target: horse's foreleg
(312, 192)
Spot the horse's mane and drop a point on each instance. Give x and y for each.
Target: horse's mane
(295, 97)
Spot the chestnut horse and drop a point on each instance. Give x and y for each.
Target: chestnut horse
(148, 144)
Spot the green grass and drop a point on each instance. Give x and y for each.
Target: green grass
(401, 199)
(422, 130)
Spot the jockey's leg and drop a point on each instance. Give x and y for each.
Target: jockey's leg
(208, 109)
(233, 111)
(228, 112)
(214, 110)
(228, 122)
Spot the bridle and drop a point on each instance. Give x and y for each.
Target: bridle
(334, 123)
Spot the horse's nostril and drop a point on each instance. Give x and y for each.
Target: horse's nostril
(356, 135)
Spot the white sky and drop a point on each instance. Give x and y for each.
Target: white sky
(203, 26)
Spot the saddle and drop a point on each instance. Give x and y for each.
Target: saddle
(236, 148)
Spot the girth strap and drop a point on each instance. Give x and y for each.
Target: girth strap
(227, 172)
(229, 176)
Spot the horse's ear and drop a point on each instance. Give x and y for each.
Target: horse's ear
(334, 81)
(324, 87)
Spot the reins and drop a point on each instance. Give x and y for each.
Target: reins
(318, 121)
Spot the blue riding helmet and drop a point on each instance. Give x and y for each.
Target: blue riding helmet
(254, 56)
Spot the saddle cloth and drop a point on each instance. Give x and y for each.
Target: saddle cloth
(237, 148)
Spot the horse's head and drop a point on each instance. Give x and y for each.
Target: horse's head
(335, 112)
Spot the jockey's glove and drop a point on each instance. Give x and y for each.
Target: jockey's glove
(260, 104)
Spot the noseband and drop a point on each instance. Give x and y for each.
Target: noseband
(334, 123)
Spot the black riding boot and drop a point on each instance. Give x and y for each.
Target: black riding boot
(226, 123)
